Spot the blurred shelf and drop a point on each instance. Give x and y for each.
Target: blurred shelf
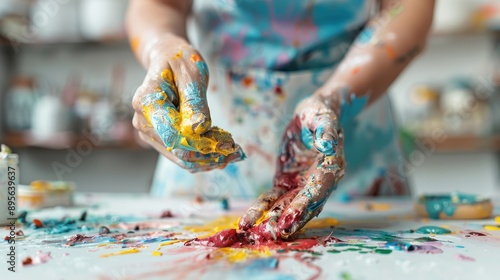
(463, 143)
(6, 42)
(67, 140)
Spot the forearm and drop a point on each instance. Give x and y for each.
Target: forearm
(382, 51)
(149, 20)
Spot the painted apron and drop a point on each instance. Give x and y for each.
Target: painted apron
(264, 57)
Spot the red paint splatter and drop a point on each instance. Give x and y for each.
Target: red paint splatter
(166, 214)
(278, 90)
(254, 238)
(27, 261)
(247, 81)
(475, 233)
(37, 223)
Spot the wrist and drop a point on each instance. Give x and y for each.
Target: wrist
(156, 46)
(330, 97)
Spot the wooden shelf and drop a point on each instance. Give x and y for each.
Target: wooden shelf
(464, 143)
(67, 140)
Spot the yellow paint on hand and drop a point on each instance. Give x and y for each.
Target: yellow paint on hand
(206, 143)
(178, 55)
(262, 218)
(134, 44)
(157, 253)
(124, 252)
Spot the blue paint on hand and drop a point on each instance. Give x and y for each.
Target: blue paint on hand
(307, 138)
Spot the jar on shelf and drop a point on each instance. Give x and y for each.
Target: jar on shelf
(19, 102)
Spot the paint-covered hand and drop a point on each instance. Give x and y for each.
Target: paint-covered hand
(310, 164)
(172, 114)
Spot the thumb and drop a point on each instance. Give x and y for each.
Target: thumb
(192, 85)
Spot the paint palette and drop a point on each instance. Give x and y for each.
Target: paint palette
(123, 237)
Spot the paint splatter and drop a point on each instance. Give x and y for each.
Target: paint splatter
(464, 258)
(432, 230)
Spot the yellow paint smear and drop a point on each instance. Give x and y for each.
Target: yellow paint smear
(242, 254)
(206, 143)
(157, 253)
(321, 223)
(231, 222)
(497, 219)
(371, 206)
(124, 252)
(488, 227)
(170, 242)
(238, 254)
(212, 227)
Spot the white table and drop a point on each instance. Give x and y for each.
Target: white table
(457, 257)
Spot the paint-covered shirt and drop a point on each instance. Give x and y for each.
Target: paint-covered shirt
(279, 34)
(264, 57)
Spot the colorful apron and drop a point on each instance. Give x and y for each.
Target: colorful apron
(264, 57)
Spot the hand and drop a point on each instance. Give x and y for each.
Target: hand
(171, 110)
(309, 166)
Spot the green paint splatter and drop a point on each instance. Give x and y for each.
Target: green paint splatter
(345, 276)
(432, 230)
(383, 251)
(334, 251)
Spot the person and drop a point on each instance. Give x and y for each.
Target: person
(297, 88)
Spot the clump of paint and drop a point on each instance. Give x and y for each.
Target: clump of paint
(83, 217)
(104, 230)
(37, 223)
(432, 230)
(224, 202)
(27, 261)
(166, 214)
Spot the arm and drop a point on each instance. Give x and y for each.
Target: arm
(386, 46)
(149, 20)
(311, 158)
(171, 110)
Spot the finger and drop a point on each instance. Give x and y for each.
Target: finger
(257, 209)
(320, 129)
(192, 82)
(280, 205)
(309, 201)
(325, 134)
(162, 115)
(191, 156)
(293, 156)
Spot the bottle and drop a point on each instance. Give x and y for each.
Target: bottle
(9, 181)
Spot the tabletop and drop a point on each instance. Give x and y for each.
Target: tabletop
(130, 236)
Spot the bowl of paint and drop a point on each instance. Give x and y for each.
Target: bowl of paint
(44, 194)
(454, 206)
